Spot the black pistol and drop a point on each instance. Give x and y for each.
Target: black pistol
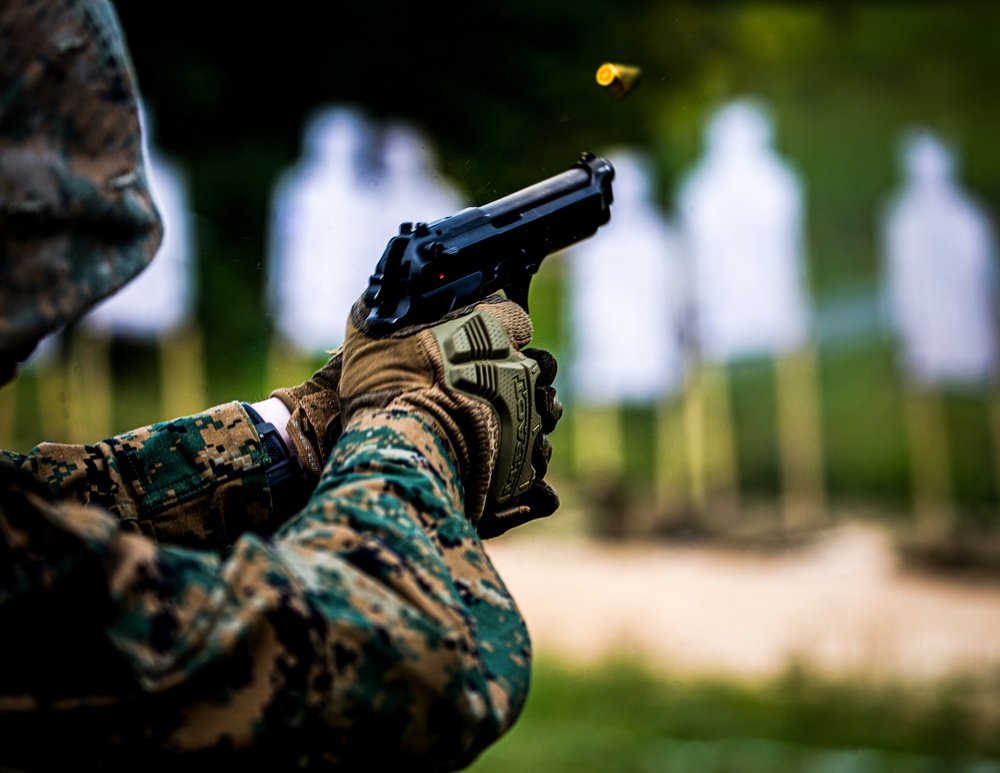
(430, 269)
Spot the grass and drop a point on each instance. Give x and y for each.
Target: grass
(624, 716)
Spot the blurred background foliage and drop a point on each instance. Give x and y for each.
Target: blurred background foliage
(508, 92)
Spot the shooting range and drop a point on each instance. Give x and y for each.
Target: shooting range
(778, 547)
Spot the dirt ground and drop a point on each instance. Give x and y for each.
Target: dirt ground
(841, 605)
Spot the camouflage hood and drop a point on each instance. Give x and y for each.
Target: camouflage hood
(76, 217)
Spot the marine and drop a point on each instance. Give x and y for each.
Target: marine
(299, 581)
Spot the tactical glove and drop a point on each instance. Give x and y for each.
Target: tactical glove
(540, 499)
(315, 424)
(494, 404)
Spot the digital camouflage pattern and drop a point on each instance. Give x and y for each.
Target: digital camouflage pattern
(76, 217)
(369, 629)
(198, 481)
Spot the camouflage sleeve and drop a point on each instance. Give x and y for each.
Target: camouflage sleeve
(197, 481)
(370, 630)
(418, 619)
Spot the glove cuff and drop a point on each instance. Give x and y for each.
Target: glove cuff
(315, 423)
(314, 428)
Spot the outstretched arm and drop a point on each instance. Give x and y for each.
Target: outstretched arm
(371, 626)
(197, 481)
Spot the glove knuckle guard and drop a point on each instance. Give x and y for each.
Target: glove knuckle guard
(480, 362)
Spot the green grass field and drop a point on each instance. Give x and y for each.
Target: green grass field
(622, 717)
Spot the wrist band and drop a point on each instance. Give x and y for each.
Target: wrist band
(284, 471)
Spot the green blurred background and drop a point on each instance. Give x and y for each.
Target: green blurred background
(507, 90)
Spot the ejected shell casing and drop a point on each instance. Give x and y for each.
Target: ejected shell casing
(618, 79)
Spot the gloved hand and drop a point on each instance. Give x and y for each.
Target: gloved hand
(493, 403)
(315, 423)
(540, 499)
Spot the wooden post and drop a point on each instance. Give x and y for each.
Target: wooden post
(710, 440)
(672, 486)
(53, 409)
(89, 388)
(800, 439)
(183, 387)
(930, 462)
(285, 366)
(694, 430)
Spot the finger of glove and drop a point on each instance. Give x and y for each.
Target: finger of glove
(514, 319)
(547, 364)
(540, 501)
(550, 410)
(541, 454)
(546, 403)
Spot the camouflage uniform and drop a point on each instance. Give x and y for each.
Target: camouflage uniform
(150, 604)
(369, 628)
